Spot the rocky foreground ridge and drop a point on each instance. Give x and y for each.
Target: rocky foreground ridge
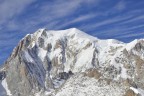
(73, 63)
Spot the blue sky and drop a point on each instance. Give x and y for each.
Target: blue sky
(118, 19)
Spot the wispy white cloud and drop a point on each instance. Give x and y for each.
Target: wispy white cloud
(83, 18)
(119, 30)
(109, 21)
(138, 18)
(131, 35)
(11, 8)
(61, 8)
(120, 6)
(55, 14)
(79, 19)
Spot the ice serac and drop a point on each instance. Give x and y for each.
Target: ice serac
(73, 63)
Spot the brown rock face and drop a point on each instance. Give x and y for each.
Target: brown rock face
(93, 73)
(130, 93)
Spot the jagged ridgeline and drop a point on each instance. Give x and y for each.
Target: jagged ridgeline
(73, 63)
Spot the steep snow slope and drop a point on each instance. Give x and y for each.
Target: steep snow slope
(71, 62)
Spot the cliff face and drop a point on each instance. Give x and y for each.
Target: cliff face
(72, 63)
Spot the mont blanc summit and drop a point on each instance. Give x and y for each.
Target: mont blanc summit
(72, 63)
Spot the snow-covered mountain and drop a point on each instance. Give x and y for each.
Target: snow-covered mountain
(73, 63)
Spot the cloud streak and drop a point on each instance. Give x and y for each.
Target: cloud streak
(54, 15)
(120, 5)
(11, 8)
(131, 35)
(79, 19)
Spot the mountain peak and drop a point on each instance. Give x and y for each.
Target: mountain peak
(52, 61)
(71, 32)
